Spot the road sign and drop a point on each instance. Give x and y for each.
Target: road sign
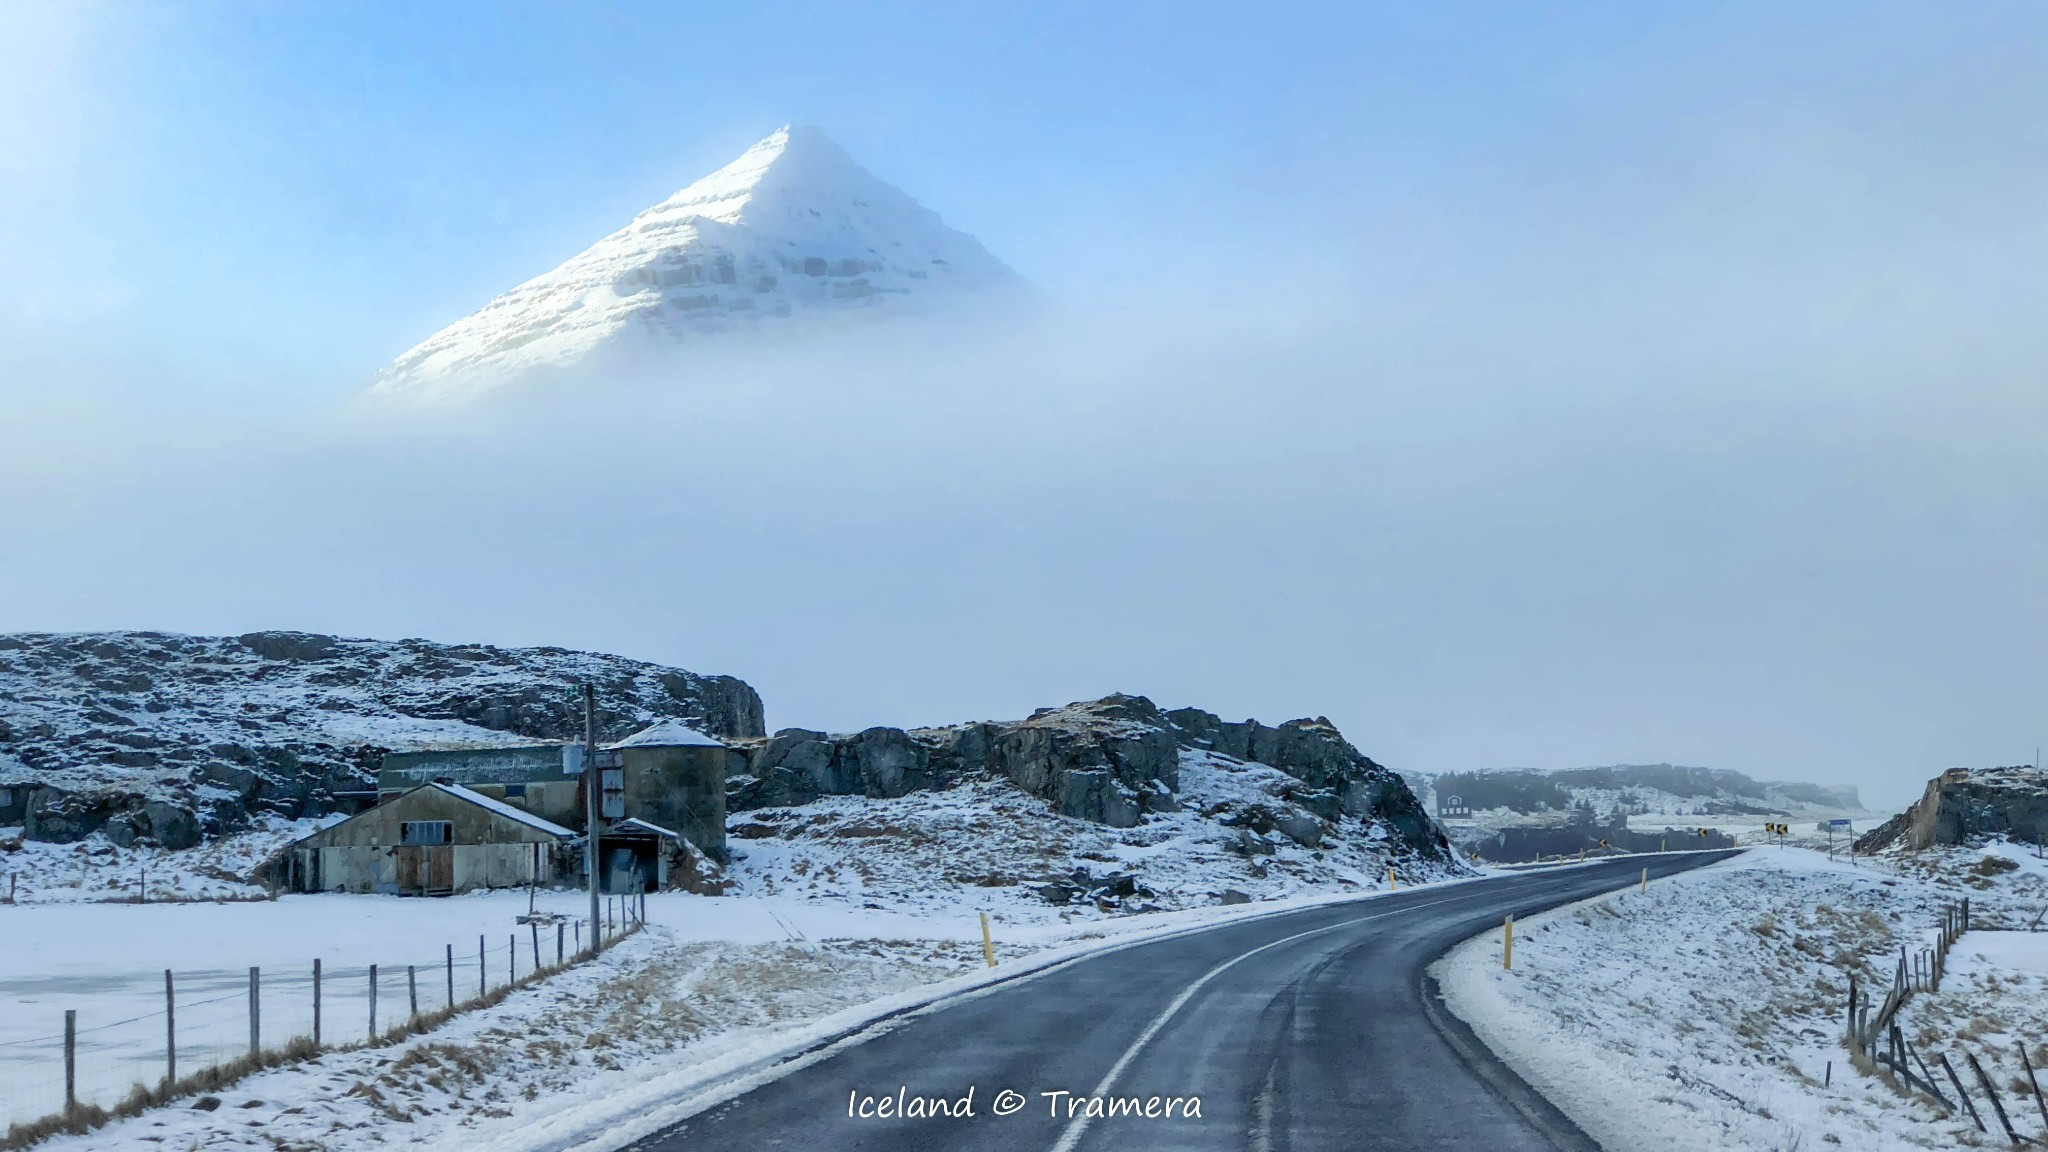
(1838, 824)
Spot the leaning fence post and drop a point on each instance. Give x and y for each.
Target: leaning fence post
(255, 1012)
(1957, 1081)
(2039, 1103)
(1997, 1105)
(1929, 1073)
(170, 1033)
(373, 1003)
(316, 1003)
(533, 926)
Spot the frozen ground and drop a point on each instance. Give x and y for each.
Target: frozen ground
(96, 870)
(716, 987)
(851, 898)
(1706, 1013)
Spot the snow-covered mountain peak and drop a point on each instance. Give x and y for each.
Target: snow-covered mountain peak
(793, 229)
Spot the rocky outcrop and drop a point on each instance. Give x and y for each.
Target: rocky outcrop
(157, 737)
(1109, 761)
(1961, 805)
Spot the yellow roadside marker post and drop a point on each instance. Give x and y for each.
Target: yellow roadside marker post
(1391, 882)
(988, 944)
(1646, 880)
(1507, 944)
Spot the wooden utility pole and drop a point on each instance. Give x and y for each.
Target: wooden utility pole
(592, 803)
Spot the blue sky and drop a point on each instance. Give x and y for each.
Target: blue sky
(1551, 384)
(313, 187)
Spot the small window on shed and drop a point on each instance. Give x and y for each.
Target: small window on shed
(515, 791)
(426, 832)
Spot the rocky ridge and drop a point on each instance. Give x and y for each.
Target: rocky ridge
(1109, 761)
(1961, 805)
(164, 739)
(167, 737)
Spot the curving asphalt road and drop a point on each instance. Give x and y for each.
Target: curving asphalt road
(1301, 1032)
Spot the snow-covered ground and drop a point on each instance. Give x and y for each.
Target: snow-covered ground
(833, 903)
(95, 870)
(714, 990)
(1706, 1013)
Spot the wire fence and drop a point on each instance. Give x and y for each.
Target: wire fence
(209, 1026)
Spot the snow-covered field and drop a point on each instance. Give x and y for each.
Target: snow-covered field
(714, 988)
(834, 903)
(1707, 1012)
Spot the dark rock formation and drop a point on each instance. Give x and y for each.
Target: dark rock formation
(165, 738)
(1109, 761)
(1960, 805)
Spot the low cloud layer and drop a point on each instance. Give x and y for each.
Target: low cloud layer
(1466, 557)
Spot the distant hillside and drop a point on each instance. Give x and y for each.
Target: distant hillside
(1656, 789)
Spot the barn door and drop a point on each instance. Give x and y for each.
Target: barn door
(441, 868)
(408, 861)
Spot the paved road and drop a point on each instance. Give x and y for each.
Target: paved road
(1304, 1032)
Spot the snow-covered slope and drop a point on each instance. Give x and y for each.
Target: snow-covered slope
(793, 229)
(164, 736)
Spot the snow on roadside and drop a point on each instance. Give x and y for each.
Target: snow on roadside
(618, 1047)
(1706, 1013)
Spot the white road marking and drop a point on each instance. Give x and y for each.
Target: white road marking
(1079, 1125)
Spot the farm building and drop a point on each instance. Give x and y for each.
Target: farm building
(670, 775)
(454, 819)
(435, 839)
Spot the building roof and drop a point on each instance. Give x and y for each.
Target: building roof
(668, 734)
(634, 823)
(503, 809)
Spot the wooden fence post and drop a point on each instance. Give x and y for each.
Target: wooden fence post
(559, 933)
(1997, 1105)
(481, 986)
(2039, 1103)
(170, 1032)
(70, 1060)
(1507, 944)
(511, 958)
(451, 977)
(533, 926)
(316, 1003)
(1929, 1074)
(1957, 1081)
(373, 1003)
(255, 1013)
(412, 993)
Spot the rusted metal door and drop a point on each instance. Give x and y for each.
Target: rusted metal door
(441, 868)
